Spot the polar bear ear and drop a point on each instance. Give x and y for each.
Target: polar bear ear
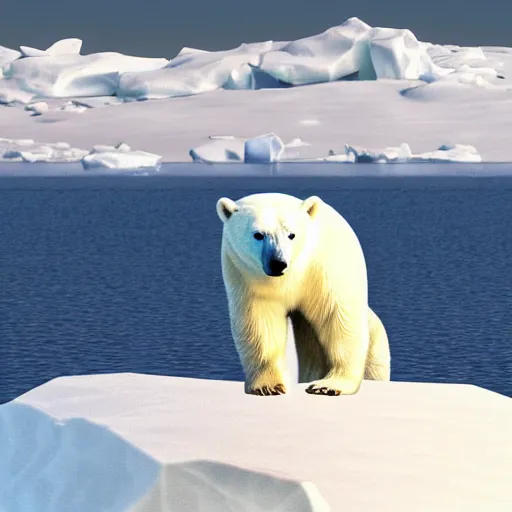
(225, 208)
(311, 205)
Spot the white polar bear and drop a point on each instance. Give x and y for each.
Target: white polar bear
(287, 258)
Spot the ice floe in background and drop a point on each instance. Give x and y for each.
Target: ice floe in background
(30, 151)
(270, 148)
(99, 157)
(264, 149)
(120, 157)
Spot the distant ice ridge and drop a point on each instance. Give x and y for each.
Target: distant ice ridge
(120, 157)
(352, 50)
(270, 148)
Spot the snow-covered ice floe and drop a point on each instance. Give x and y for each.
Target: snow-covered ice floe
(270, 148)
(120, 157)
(27, 150)
(159, 444)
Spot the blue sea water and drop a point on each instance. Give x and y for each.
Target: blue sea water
(115, 274)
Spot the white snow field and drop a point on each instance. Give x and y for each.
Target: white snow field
(366, 87)
(146, 443)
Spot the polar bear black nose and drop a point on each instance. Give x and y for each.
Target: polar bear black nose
(277, 267)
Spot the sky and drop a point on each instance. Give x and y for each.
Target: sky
(159, 28)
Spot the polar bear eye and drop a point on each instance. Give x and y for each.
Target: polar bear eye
(259, 236)
(291, 236)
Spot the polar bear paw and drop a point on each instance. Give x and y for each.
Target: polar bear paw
(333, 387)
(277, 389)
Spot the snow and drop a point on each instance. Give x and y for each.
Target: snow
(146, 443)
(368, 87)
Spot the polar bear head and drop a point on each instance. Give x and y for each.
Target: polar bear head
(268, 234)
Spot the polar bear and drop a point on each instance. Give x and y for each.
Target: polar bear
(283, 257)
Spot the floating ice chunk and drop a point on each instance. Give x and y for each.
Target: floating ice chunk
(7, 55)
(10, 93)
(220, 149)
(38, 108)
(194, 72)
(120, 157)
(397, 54)
(338, 52)
(450, 153)
(76, 75)
(263, 149)
(27, 150)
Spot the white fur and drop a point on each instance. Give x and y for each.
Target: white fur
(323, 290)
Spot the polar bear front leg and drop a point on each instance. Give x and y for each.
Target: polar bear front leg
(345, 341)
(260, 334)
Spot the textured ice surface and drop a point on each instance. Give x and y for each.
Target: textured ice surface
(76, 75)
(160, 444)
(196, 71)
(338, 52)
(397, 54)
(7, 55)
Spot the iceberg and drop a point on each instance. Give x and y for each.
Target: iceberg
(336, 53)
(150, 443)
(398, 55)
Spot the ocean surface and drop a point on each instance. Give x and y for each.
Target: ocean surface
(122, 274)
